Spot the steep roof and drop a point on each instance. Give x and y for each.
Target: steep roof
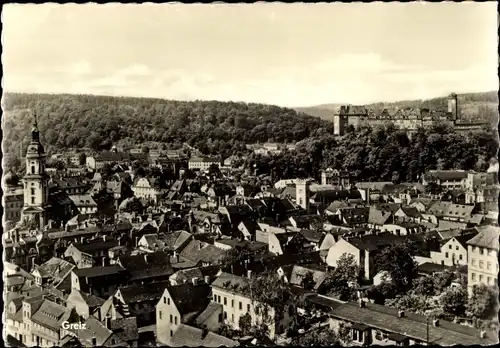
(190, 298)
(98, 271)
(193, 337)
(143, 292)
(486, 238)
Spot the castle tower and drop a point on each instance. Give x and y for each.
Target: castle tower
(453, 106)
(340, 120)
(36, 190)
(302, 193)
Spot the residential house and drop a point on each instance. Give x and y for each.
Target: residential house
(101, 281)
(84, 203)
(482, 257)
(89, 253)
(85, 304)
(201, 253)
(54, 273)
(179, 305)
(298, 275)
(448, 179)
(144, 268)
(453, 251)
(147, 189)
(335, 177)
(232, 292)
(411, 214)
(202, 163)
(37, 321)
(289, 242)
(139, 300)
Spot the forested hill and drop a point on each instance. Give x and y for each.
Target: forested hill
(472, 106)
(99, 121)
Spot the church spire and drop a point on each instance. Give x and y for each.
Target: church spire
(35, 133)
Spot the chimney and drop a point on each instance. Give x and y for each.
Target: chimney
(401, 314)
(249, 273)
(435, 322)
(207, 280)
(195, 281)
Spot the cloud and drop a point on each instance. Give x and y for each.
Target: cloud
(348, 78)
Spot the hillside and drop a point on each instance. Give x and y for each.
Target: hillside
(98, 122)
(472, 106)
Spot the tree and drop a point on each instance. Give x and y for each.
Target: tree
(411, 302)
(424, 286)
(454, 301)
(213, 170)
(145, 149)
(307, 281)
(245, 324)
(483, 302)
(337, 282)
(323, 338)
(398, 261)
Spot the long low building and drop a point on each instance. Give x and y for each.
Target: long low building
(380, 325)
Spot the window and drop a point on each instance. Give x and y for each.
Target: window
(171, 333)
(171, 319)
(481, 264)
(220, 318)
(215, 298)
(488, 265)
(473, 276)
(232, 318)
(225, 301)
(32, 169)
(164, 300)
(460, 256)
(480, 277)
(473, 262)
(449, 246)
(232, 303)
(446, 255)
(488, 280)
(248, 307)
(32, 191)
(481, 251)
(241, 306)
(225, 315)
(32, 200)
(175, 320)
(219, 300)
(456, 248)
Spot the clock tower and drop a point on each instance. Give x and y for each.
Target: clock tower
(36, 190)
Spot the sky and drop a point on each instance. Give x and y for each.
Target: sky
(285, 54)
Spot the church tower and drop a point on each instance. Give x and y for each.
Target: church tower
(302, 193)
(36, 190)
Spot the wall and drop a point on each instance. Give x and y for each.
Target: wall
(482, 266)
(168, 318)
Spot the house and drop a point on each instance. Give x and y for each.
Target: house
(90, 252)
(150, 267)
(202, 163)
(372, 324)
(411, 214)
(402, 228)
(101, 281)
(84, 303)
(139, 300)
(297, 274)
(147, 189)
(378, 218)
(335, 177)
(179, 305)
(189, 336)
(202, 253)
(84, 203)
(305, 221)
(55, 273)
(37, 321)
(96, 333)
(365, 248)
(482, 257)
(354, 216)
(453, 250)
(449, 179)
(248, 229)
(289, 242)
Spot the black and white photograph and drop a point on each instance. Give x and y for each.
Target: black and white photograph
(261, 174)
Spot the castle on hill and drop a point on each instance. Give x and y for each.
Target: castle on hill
(404, 118)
